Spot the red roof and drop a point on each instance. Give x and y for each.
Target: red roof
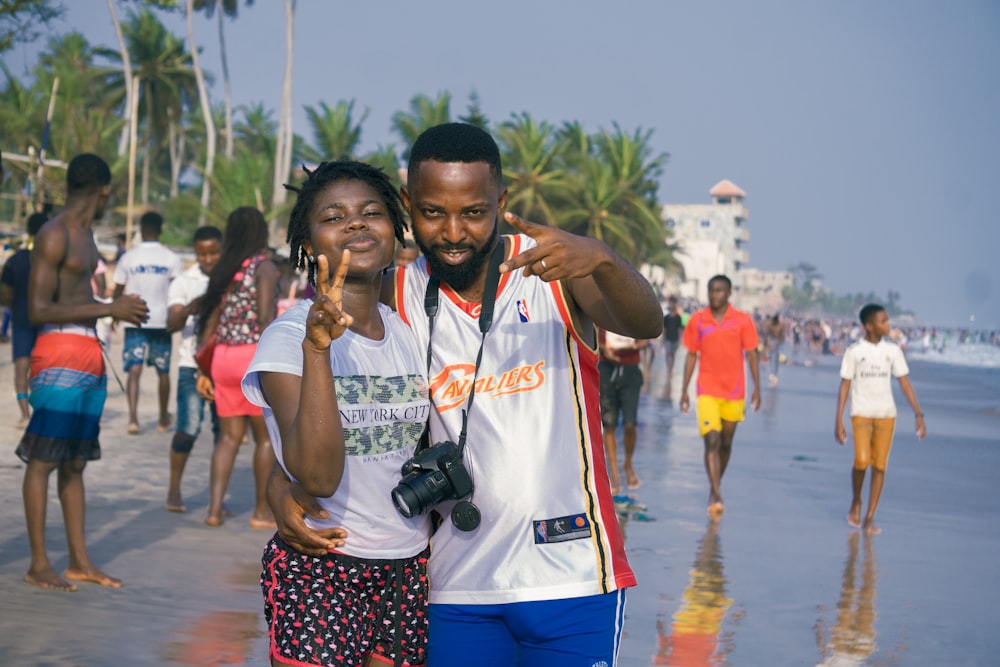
(726, 188)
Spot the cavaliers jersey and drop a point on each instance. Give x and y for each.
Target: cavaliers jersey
(534, 449)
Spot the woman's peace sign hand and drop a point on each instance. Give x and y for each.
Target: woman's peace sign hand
(327, 321)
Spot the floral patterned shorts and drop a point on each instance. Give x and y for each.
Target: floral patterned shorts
(341, 610)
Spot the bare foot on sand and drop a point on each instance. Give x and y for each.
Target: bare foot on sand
(854, 515)
(871, 528)
(715, 510)
(94, 576)
(175, 505)
(263, 524)
(214, 521)
(164, 425)
(632, 479)
(133, 429)
(49, 580)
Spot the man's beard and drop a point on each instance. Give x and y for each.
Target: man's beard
(459, 277)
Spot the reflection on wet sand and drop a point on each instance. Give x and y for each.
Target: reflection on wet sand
(852, 639)
(696, 637)
(221, 636)
(217, 638)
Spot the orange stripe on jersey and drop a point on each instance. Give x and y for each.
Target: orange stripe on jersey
(562, 303)
(398, 283)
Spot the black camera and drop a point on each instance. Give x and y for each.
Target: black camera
(432, 475)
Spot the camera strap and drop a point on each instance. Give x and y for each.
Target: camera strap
(485, 322)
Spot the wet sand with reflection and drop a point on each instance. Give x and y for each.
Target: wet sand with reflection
(780, 580)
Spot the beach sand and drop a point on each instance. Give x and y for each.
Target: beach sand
(780, 580)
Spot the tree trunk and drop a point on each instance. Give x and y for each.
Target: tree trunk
(175, 139)
(206, 113)
(227, 88)
(147, 157)
(127, 67)
(283, 150)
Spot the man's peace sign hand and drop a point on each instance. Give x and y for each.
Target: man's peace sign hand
(327, 321)
(557, 255)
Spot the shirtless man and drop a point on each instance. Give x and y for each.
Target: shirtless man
(68, 384)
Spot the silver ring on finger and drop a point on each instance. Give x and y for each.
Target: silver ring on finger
(542, 262)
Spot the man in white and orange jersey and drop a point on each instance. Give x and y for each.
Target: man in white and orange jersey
(541, 580)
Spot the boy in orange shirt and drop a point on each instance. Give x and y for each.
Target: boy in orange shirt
(716, 338)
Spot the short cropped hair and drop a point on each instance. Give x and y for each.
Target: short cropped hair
(455, 142)
(152, 221)
(870, 311)
(207, 233)
(35, 222)
(86, 173)
(723, 278)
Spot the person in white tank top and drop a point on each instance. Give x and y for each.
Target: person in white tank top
(548, 559)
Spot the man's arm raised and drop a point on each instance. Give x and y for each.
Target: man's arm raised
(605, 288)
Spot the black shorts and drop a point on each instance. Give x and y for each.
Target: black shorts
(620, 387)
(338, 609)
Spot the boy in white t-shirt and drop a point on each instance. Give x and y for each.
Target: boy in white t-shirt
(866, 374)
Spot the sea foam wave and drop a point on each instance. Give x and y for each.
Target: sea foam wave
(978, 355)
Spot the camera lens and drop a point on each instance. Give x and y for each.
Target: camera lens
(403, 498)
(416, 496)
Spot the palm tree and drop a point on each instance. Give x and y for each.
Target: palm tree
(286, 135)
(335, 133)
(386, 158)
(127, 67)
(611, 194)
(224, 8)
(257, 133)
(424, 113)
(474, 114)
(206, 112)
(530, 155)
(19, 20)
(80, 123)
(166, 82)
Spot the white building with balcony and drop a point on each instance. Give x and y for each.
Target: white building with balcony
(711, 237)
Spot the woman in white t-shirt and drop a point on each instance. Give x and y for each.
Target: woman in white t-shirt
(342, 385)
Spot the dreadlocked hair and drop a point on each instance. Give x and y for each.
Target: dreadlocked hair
(318, 179)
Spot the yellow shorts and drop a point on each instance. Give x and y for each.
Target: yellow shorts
(713, 411)
(872, 441)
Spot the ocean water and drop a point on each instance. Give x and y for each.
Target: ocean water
(975, 355)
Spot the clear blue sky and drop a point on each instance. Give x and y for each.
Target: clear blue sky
(864, 133)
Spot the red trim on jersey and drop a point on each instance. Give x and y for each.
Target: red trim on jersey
(472, 308)
(400, 281)
(617, 573)
(562, 303)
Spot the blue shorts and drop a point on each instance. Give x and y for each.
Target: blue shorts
(191, 406)
(548, 633)
(149, 345)
(22, 341)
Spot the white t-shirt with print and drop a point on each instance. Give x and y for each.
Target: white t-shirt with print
(147, 270)
(183, 290)
(870, 368)
(384, 403)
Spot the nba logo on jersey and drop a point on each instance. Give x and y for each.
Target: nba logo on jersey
(522, 310)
